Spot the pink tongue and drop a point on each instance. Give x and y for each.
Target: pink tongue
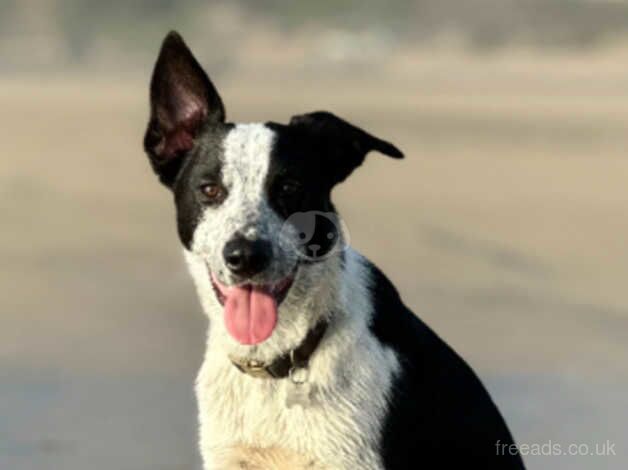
(250, 314)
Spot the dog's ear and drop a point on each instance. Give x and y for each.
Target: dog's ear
(182, 102)
(345, 144)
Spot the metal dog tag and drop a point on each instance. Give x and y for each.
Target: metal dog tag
(299, 391)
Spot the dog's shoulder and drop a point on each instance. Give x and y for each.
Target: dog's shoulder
(437, 403)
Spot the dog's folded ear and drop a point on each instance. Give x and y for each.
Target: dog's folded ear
(182, 102)
(345, 144)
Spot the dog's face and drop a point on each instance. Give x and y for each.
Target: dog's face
(253, 200)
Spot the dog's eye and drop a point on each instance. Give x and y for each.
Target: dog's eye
(289, 188)
(213, 192)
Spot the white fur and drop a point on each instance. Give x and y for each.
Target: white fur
(350, 372)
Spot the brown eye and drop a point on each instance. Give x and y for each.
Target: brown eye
(213, 192)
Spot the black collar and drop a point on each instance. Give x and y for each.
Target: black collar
(284, 365)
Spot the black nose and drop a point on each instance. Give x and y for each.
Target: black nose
(247, 257)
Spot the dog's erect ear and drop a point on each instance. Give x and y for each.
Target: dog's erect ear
(182, 101)
(346, 144)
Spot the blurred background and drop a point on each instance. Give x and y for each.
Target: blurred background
(505, 228)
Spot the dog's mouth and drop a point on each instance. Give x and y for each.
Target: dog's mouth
(250, 310)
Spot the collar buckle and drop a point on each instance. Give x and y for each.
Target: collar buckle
(254, 365)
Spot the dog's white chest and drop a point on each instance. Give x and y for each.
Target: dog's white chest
(338, 427)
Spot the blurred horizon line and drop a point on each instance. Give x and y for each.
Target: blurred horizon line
(89, 36)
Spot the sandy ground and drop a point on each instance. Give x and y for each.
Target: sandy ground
(504, 229)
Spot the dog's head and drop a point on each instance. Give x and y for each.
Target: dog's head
(253, 200)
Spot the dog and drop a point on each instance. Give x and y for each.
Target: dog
(312, 359)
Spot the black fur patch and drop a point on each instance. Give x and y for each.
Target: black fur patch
(439, 410)
(202, 166)
(312, 154)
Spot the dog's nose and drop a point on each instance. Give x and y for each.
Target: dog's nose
(247, 257)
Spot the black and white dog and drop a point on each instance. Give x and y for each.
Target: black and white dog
(312, 360)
